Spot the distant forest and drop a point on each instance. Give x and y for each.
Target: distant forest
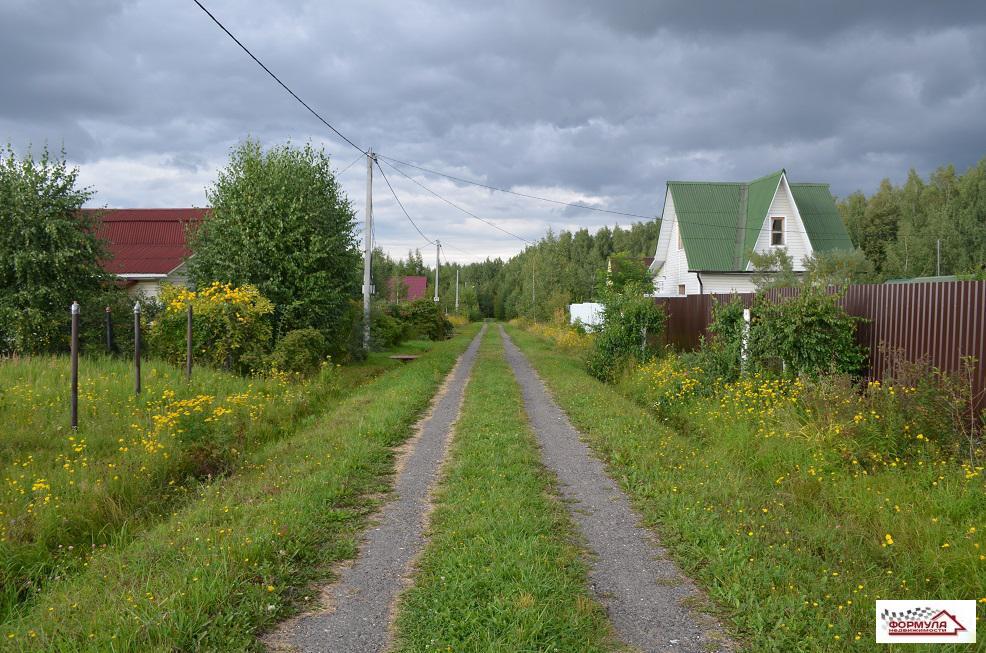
(897, 229)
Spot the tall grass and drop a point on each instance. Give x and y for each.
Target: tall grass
(68, 494)
(235, 557)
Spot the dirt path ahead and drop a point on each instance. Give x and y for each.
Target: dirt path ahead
(358, 607)
(645, 594)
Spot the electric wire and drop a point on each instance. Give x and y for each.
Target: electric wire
(388, 160)
(518, 193)
(276, 78)
(456, 206)
(401, 204)
(413, 223)
(355, 161)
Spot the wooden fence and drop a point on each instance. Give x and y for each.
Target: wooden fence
(939, 322)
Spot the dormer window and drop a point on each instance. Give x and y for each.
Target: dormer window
(777, 232)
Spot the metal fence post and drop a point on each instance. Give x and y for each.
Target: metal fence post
(109, 330)
(75, 365)
(188, 345)
(745, 340)
(137, 348)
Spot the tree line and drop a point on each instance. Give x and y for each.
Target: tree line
(901, 229)
(558, 270)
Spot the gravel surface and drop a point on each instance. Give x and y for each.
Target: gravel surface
(644, 593)
(360, 603)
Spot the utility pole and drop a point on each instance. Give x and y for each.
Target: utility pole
(456, 290)
(438, 265)
(938, 257)
(533, 304)
(367, 248)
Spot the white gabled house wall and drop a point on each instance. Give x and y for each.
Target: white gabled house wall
(670, 266)
(795, 238)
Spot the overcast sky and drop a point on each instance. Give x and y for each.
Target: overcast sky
(578, 100)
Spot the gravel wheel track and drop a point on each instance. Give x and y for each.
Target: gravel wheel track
(647, 598)
(359, 605)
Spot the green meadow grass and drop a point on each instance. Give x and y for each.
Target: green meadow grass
(227, 559)
(789, 540)
(502, 571)
(134, 458)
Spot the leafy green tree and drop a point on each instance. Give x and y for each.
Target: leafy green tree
(281, 222)
(49, 253)
(624, 269)
(773, 269)
(630, 321)
(838, 267)
(809, 333)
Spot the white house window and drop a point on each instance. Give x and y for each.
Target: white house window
(777, 231)
(681, 245)
(681, 289)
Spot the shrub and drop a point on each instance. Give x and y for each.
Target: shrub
(424, 319)
(386, 331)
(628, 319)
(231, 327)
(720, 354)
(300, 352)
(808, 334)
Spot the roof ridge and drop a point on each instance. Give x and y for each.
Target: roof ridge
(730, 183)
(782, 171)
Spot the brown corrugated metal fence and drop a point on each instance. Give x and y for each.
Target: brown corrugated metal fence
(940, 322)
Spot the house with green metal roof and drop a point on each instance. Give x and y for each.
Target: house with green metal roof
(709, 230)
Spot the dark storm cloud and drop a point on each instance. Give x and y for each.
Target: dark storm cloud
(581, 101)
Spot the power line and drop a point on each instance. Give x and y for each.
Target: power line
(355, 161)
(453, 177)
(633, 215)
(513, 192)
(413, 223)
(456, 206)
(276, 78)
(400, 204)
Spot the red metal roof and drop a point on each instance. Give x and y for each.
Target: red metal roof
(416, 287)
(146, 241)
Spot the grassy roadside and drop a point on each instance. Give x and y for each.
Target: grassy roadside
(134, 459)
(790, 545)
(501, 571)
(236, 557)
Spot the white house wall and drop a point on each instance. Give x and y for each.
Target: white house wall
(795, 238)
(725, 283)
(674, 271)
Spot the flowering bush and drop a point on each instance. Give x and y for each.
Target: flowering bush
(664, 384)
(231, 326)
